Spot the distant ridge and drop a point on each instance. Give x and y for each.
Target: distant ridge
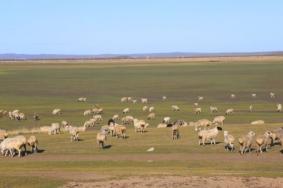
(12, 56)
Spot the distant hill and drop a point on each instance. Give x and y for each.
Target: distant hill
(11, 56)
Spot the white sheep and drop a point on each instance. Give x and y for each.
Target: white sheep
(140, 125)
(175, 132)
(229, 141)
(213, 109)
(126, 110)
(97, 118)
(195, 104)
(87, 112)
(229, 111)
(166, 119)
(246, 142)
(90, 123)
(257, 122)
(200, 98)
(279, 107)
(162, 125)
(253, 95)
(127, 120)
(64, 123)
(218, 120)
(115, 117)
(56, 111)
(164, 98)
(151, 109)
(151, 116)
(129, 99)
(180, 123)
(145, 108)
(3, 134)
(55, 129)
(124, 99)
(272, 95)
(251, 108)
(33, 143)
(134, 101)
(12, 144)
(97, 110)
(120, 131)
(144, 100)
(210, 134)
(101, 138)
(232, 96)
(197, 110)
(82, 99)
(202, 124)
(262, 141)
(175, 108)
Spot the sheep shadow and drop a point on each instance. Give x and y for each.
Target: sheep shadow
(107, 146)
(38, 151)
(281, 151)
(207, 144)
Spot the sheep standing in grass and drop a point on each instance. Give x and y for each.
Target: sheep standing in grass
(279, 107)
(56, 111)
(87, 112)
(195, 104)
(145, 108)
(272, 95)
(164, 98)
(82, 99)
(54, 129)
(140, 125)
(246, 142)
(202, 124)
(257, 122)
(251, 108)
(36, 117)
(229, 111)
(151, 116)
(200, 98)
(229, 141)
(197, 110)
(124, 99)
(151, 109)
(3, 134)
(219, 120)
(9, 145)
(98, 118)
(253, 95)
(175, 132)
(128, 120)
(120, 131)
(232, 96)
(101, 138)
(166, 120)
(115, 117)
(97, 110)
(175, 108)
(126, 110)
(129, 99)
(144, 100)
(181, 123)
(262, 141)
(33, 143)
(134, 101)
(213, 109)
(210, 134)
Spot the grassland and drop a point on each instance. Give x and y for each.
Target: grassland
(41, 87)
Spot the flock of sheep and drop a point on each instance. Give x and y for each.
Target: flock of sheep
(207, 131)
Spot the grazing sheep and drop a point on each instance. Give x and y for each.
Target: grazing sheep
(164, 98)
(98, 118)
(166, 120)
(229, 141)
(3, 134)
(87, 112)
(246, 142)
(175, 132)
(55, 129)
(219, 120)
(162, 125)
(197, 110)
(253, 95)
(134, 101)
(140, 125)
(115, 117)
(129, 99)
(202, 124)
(82, 99)
(181, 123)
(101, 138)
(195, 104)
(90, 123)
(64, 123)
(251, 108)
(145, 108)
(74, 134)
(229, 111)
(9, 145)
(272, 95)
(36, 117)
(213, 109)
(128, 120)
(56, 111)
(124, 99)
(257, 122)
(97, 110)
(126, 110)
(279, 107)
(144, 100)
(151, 116)
(277, 134)
(16, 115)
(200, 98)
(210, 134)
(175, 108)
(232, 96)
(33, 143)
(120, 131)
(262, 141)
(151, 109)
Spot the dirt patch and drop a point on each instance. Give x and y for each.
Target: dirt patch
(182, 182)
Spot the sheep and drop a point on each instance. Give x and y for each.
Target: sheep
(229, 141)
(251, 108)
(74, 134)
(97, 118)
(175, 108)
(246, 142)
(202, 123)
(3, 134)
(277, 135)
(64, 123)
(124, 99)
(151, 116)
(140, 125)
(262, 141)
(219, 120)
(45, 129)
(166, 120)
(33, 143)
(115, 117)
(272, 95)
(56, 111)
(126, 110)
(87, 112)
(129, 99)
(232, 96)
(151, 109)
(16, 115)
(90, 123)
(13, 143)
(164, 98)
(101, 138)
(128, 120)
(134, 101)
(145, 108)
(55, 129)
(197, 110)
(279, 107)
(213, 109)
(200, 98)
(82, 99)
(257, 122)
(253, 95)
(162, 125)
(181, 123)
(229, 111)
(209, 134)
(195, 104)
(175, 132)
(120, 131)
(144, 100)
(36, 117)
(97, 110)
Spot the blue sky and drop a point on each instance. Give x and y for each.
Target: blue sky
(132, 26)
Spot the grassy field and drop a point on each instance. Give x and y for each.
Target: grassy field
(42, 87)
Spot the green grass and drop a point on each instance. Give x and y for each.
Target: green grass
(41, 88)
